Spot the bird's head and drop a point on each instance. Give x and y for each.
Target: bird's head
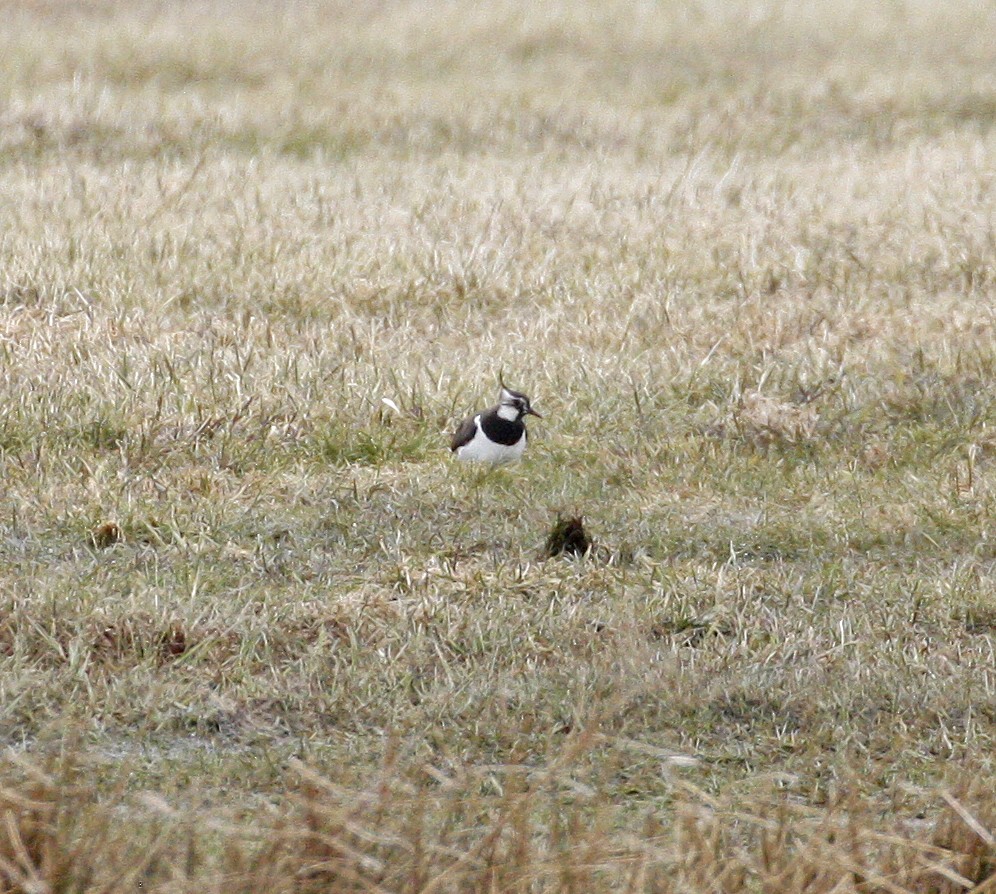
(513, 405)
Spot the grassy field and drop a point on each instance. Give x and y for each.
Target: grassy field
(259, 632)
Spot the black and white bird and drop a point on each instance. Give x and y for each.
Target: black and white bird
(497, 435)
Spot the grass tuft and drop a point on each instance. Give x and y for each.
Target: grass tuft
(568, 536)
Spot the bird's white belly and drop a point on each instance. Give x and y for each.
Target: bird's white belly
(480, 449)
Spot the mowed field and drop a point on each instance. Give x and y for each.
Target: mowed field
(260, 632)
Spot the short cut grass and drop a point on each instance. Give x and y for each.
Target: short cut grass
(258, 259)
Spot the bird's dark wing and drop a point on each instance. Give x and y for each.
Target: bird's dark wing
(464, 434)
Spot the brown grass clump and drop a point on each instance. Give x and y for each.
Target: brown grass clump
(106, 534)
(130, 639)
(567, 536)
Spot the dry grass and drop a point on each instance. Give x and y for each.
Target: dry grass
(508, 828)
(249, 277)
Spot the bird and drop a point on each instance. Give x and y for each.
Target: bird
(497, 435)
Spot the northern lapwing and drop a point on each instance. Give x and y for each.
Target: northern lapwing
(498, 435)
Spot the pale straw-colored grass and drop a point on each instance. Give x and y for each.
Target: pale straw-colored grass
(256, 262)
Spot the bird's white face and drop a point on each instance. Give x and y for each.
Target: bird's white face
(513, 405)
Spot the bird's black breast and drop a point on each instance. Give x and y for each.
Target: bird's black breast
(501, 431)
(464, 434)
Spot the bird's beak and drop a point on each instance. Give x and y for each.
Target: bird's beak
(532, 412)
